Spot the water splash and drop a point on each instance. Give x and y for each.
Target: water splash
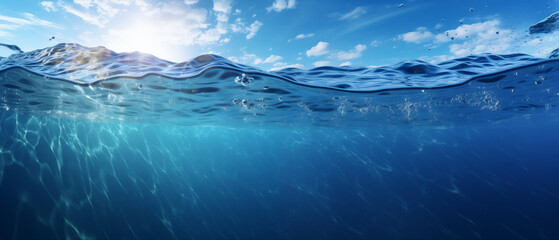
(547, 25)
(12, 47)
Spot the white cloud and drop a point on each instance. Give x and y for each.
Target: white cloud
(282, 65)
(146, 8)
(351, 54)
(48, 6)
(189, 2)
(94, 19)
(418, 36)
(209, 36)
(477, 38)
(320, 49)
(542, 45)
(37, 21)
(280, 5)
(345, 64)
(358, 25)
(222, 10)
(254, 27)
(301, 36)
(240, 27)
(354, 14)
(321, 63)
(247, 58)
(102, 8)
(483, 29)
(488, 37)
(84, 3)
(30, 19)
(223, 6)
(374, 43)
(5, 34)
(273, 58)
(8, 24)
(435, 59)
(480, 46)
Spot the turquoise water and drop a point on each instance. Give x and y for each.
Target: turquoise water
(99, 145)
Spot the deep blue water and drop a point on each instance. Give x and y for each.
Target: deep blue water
(100, 145)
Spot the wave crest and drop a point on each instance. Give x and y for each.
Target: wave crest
(99, 84)
(87, 65)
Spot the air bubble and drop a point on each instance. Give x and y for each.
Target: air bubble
(243, 79)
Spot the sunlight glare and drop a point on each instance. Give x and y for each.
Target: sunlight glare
(144, 37)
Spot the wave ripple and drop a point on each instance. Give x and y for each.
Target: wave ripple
(84, 65)
(97, 83)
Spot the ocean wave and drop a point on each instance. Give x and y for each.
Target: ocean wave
(75, 81)
(84, 65)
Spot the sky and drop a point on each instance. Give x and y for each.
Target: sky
(274, 34)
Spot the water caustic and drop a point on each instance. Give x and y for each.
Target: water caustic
(69, 179)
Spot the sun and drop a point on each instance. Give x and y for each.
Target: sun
(145, 37)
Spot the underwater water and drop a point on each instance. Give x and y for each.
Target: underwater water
(102, 145)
